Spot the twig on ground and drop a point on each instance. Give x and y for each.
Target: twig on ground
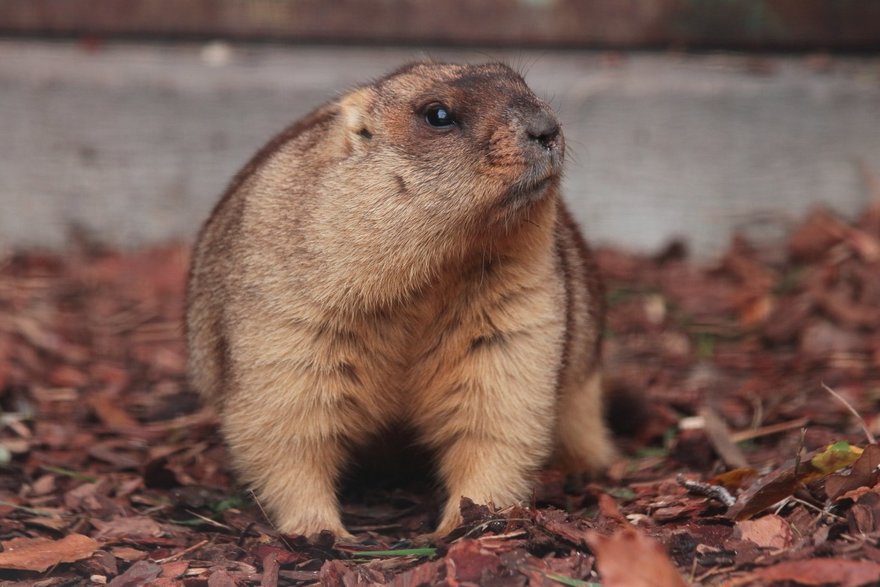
(800, 451)
(719, 435)
(208, 520)
(183, 552)
(853, 411)
(753, 433)
(823, 511)
(484, 525)
(269, 520)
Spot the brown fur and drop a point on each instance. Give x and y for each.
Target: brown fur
(366, 270)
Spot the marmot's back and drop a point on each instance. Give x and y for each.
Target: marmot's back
(401, 257)
(224, 243)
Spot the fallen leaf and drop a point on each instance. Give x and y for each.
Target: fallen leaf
(221, 578)
(133, 527)
(39, 554)
(814, 236)
(467, 560)
(733, 479)
(719, 437)
(108, 410)
(688, 509)
(140, 573)
(766, 532)
(628, 558)
(128, 553)
(819, 571)
(335, 572)
(100, 563)
(865, 473)
(782, 483)
(282, 555)
(835, 457)
(174, 569)
(271, 567)
(609, 509)
(756, 311)
(556, 522)
(863, 517)
(68, 376)
(821, 339)
(424, 574)
(867, 246)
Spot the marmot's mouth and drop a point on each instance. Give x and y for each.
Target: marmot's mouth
(524, 193)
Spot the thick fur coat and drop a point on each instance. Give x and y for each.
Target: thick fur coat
(401, 257)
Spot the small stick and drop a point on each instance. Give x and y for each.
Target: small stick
(719, 437)
(822, 511)
(208, 520)
(185, 551)
(753, 433)
(269, 520)
(800, 451)
(862, 423)
(693, 570)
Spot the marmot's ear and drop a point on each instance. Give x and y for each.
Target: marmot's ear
(357, 119)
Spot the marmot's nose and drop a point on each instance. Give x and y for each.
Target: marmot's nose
(543, 128)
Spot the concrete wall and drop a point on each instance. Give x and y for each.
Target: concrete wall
(134, 143)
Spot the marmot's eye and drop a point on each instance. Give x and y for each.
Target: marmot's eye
(439, 116)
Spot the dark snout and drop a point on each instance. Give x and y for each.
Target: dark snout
(543, 128)
(543, 148)
(543, 138)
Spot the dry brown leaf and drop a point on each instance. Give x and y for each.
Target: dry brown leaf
(424, 574)
(816, 235)
(756, 310)
(140, 573)
(867, 246)
(108, 410)
(271, 567)
(719, 435)
(128, 553)
(734, 479)
(221, 578)
(766, 532)
(864, 516)
(556, 522)
(864, 473)
(467, 560)
(609, 509)
(819, 571)
(628, 558)
(782, 483)
(40, 554)
(127, 527)
(174, 569)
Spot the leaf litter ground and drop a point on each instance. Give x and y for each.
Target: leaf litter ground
(754, 381)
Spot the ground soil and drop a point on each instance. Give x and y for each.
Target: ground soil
(744, 394)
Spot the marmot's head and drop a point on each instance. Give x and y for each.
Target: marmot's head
(470, 144)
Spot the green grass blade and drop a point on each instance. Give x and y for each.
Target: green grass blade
(398, 552)
(572, 582)
(69, 473)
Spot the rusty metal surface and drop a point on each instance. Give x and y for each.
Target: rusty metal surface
(826, 24)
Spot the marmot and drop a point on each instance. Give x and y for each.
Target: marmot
(401, 256)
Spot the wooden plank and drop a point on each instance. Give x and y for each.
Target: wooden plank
(783, 24)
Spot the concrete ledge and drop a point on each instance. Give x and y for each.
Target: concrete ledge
(134, 143)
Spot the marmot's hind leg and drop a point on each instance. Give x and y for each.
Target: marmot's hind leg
(583, 442)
